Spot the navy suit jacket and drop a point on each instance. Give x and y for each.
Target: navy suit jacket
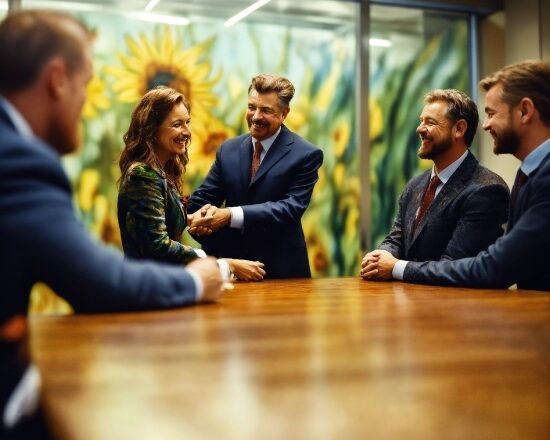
(273, 202)
(41, 240)
(521, 255)
(465, 218)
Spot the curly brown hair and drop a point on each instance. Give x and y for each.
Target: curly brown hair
(139, 140)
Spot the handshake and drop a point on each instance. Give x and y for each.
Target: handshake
(208, 219)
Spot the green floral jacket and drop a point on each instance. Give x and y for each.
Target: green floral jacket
(151, 217)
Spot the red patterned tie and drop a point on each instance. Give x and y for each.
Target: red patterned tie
(427, 199)
(521, 177)
(256, 159)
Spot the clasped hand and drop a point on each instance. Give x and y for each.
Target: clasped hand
(208, 219)
(377, 265)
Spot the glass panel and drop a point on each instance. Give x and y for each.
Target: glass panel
(310, 42)
(428, 50)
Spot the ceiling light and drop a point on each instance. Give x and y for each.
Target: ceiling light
(63, 5)
(151, 4)
(379, 42)
(245, 12)
(157, 18)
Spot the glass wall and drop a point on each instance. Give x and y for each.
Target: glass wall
(313, 43)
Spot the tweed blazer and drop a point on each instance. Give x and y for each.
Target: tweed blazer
(466, 216)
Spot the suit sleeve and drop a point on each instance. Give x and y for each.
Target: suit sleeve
(393, 243)
(290, 208)
(57, 250)
(146, 218)
(210, 190)
(503, 263)
(484, 213)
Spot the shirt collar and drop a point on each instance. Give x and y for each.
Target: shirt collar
(266, 143)
(533, 160)
(21, 125)
(446, 174)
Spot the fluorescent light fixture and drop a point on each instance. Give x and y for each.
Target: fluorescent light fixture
(157, 18)
(379, 42)
(151, 4)
(245, 12)
(63, 6)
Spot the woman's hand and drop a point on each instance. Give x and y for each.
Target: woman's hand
(246, 270)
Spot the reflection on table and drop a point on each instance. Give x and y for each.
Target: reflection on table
(305, 359)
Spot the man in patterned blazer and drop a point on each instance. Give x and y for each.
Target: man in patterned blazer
(469, 203)
(517, 106)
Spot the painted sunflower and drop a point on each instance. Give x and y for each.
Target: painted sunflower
(96, 98)
(161, 60)
(203, 147)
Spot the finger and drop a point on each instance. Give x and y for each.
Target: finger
(371, 274)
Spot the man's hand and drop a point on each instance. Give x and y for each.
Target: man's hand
(207, 269)
(208, 219)
(377, 265)
(246, 270)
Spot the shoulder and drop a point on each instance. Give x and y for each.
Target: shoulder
(484, 176)
(141, 176)
(418, 179)
(31, 159)
(234, 142)
(143, 170)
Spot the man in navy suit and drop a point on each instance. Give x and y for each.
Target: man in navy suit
(46, 64)
(517, 107)
(265, 179)
(471, 202)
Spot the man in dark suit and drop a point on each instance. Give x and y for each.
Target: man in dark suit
(517, 106)
(265, 179)
(470, 202)
(46, 64)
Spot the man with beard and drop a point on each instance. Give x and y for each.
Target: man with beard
(455, 209)
(265, 180)
(517, 106)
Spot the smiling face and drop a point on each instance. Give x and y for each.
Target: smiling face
(435, 130)
(264, 115)
(174, 134)
(499, 122)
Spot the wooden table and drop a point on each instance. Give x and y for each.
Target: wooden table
(305, 359)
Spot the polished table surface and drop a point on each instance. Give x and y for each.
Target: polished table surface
(305, 359)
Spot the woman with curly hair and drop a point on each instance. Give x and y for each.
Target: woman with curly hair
(151, 209)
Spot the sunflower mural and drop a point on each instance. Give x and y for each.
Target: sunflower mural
(202, 62)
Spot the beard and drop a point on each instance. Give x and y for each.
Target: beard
(436, 149)
(506, 142)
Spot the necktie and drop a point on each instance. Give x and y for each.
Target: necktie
(521, 177)
(427, 199)
(256, 159)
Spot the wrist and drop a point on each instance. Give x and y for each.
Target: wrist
(229, 216)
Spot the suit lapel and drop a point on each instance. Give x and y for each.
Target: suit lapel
(454, 186)
(416, 200)
(245, 158)
(4, 117)
(278, 150)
